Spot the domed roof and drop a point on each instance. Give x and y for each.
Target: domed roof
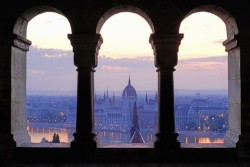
(129, 90)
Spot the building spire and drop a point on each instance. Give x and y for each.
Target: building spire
(113, 97)
(146, 99)
(107, 93)
(129, 82)
(135, 134)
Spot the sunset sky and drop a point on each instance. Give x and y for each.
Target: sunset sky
(126, 51)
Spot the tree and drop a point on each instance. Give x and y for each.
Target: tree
(56, 138)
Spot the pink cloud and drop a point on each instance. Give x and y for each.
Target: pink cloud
(145, 58)
(55, 55)
(33, 72)
(115, 68)
(203, 66)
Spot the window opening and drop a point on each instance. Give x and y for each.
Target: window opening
(51, 82)
(125, 84)
(201, 82)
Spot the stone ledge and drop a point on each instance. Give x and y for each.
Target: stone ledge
(124, 145)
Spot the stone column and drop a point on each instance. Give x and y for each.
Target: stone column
(243, 145)
(13, 50)
(234, 92)
(85, 48)
(165, 48)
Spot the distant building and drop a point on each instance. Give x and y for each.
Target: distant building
(117, 114)
(192, 116)
(47, 109)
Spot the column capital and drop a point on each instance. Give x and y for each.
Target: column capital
(21, 42)
(16, 41)
(165, 48)
(86, 48)
(231, 43)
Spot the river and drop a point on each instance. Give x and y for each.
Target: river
(37, 131)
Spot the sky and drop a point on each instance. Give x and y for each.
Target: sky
(126, 52)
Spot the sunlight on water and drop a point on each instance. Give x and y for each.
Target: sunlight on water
(205, 140)
(208, 140)
(38, 133)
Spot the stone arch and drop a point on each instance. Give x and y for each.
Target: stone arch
(224, 15)
(20, 27)
(123, 8)
(234, 87)
(19, 49)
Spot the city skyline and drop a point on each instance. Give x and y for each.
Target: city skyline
(202, 117)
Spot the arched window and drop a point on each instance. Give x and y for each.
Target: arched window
(50, 108)
(51, 80)
(202, 83)
(125, 83)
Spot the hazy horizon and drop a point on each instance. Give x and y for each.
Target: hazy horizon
(119, 93)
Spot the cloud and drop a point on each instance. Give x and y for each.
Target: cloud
(219, 41)
(203, 64)
(137, 63)
(50, 69)
(49, 52)
(115, 68)
(59, 55)
(57, 68)
(146, 58)
(204, 59)
(33, 72)
(202, 73)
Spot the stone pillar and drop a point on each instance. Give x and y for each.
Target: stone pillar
(234, 92)
(18, 90)
(13, 50)
(85, 48)
(165, 48)
(243, 145)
